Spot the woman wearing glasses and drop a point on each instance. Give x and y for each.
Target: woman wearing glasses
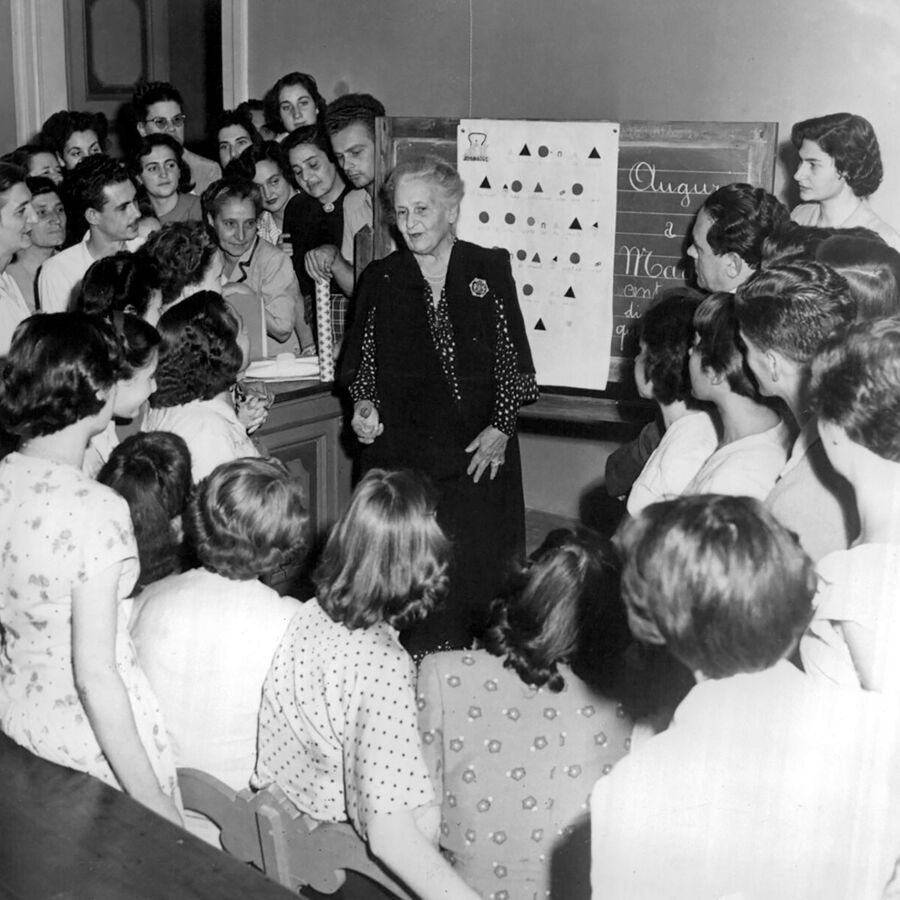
(48, 232)
(159, 109)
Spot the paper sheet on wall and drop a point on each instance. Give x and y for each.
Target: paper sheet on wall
(546, 191)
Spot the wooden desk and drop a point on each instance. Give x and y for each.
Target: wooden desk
(68, 836)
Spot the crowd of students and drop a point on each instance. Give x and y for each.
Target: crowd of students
(708, 691)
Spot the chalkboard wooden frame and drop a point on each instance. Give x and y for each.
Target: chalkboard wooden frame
(741, 151)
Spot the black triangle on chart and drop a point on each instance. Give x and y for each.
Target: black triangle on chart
(569, 293)
(505, 187)
(595, 225)
(594, 154)
(536, 257)
(485, 183)
(525, 151)
(538, 189)
(576, 225)
(555, 259)
(540, 325)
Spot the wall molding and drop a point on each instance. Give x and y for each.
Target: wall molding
(39, 62)
(235, 54)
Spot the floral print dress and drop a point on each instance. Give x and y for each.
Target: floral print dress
(59, 529)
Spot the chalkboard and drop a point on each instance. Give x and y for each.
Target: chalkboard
(666, 170)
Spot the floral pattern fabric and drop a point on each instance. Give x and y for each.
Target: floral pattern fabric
(60, 529)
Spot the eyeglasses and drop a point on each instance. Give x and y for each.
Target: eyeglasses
(161, 123)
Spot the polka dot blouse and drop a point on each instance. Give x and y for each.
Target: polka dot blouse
(337, 724)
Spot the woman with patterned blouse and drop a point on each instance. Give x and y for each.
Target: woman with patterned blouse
(437, 364)
(515, 739)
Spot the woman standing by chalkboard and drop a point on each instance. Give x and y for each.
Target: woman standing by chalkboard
(840, 168)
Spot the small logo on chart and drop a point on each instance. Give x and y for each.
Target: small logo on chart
(476, 151)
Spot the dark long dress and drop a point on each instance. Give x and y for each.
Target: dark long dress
(428, 421)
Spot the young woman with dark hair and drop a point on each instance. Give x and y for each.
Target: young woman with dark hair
(16, 220)
(206, 636)
(199, 361)
(75, 694)
(292, 102)
(840, 168)
(152, 472)
(855, 393)
(661, 373)
(337, 725)
(514, 738)
(754, 442)
(164, 180)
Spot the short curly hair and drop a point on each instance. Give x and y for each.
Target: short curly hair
(145, 147)
(716, 327)
(386, 558)
(793, 307)
(231, 187)
(742, 217)
(272, 99)
(90, 178)
(152, 471)
(718, 580)
(667, 333)
(199, 356)
(180, 253)
(851, 142)
(123, 282)
(549, 604)
(265, 151)
(63, 124)
(428, 167)
(247, 518)
(146, 93)
(56, 366)
(316, 135)
(855, 384)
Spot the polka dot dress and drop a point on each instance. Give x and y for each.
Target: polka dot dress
(337, 724)
(514, 766)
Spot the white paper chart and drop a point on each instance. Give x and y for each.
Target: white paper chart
(546, 192)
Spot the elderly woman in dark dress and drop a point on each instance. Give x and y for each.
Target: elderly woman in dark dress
(437, 364)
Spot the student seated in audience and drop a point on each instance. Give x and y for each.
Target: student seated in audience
(661, 373)
(855, 393)
(784, 315)
(124, 282)
(164, 180)
(727, 248)
(206, 637)
(159, 109)
(17, 217)
(871, 268)
(152, 471)
(755, 441)
(350, 123)
(72, 689)
(231, 208)
(38, 160)
(185, 260)
(337, 725)
(74, 136)
(234, 134)
(199, 361)
(293, 102)
(767, 783)
(840, 168)
(103, 190)
(513, 737)
(47, 235)
(139, 343)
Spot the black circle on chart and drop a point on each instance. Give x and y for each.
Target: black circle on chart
(483, 217)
